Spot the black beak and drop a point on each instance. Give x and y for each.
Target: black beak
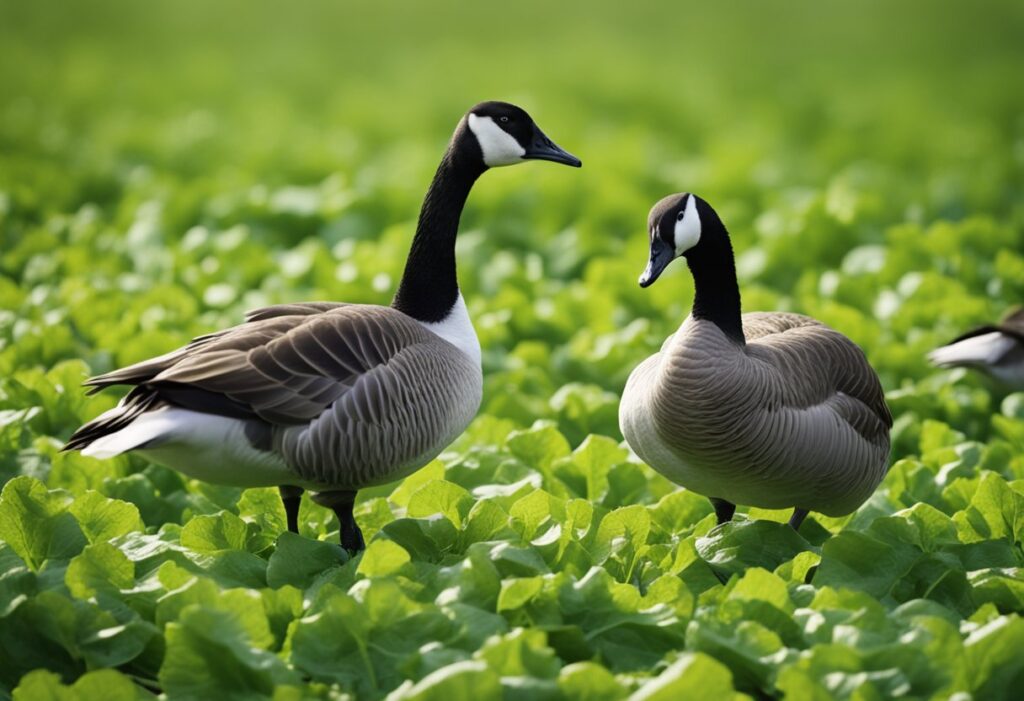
(661, 255)
(544, 149)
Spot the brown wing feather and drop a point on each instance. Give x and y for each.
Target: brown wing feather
(822, 361)
(292, 309)
(288, 369)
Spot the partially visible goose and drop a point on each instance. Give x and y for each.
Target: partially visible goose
(995, 349)
(767, 409)
(327, 396)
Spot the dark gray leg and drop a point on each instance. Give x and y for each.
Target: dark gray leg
(291, 497)
(797, 518)
(723, 509)
(341, 504)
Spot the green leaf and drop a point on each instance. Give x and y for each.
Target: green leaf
(108, 684)
(588, 681)
(516, 592)
(485, 521)
(617, 621)
(759, 585)
(215, 532)
(993, 660)
(298, 561)
(36, 524)
(594, 459)
(737, 545)
(434, 470)
(692, 676)
(1002, 587)
(679, 511)
(536, 508)
(995, 511)
(625, 527)
(211, 654)
(102, 519)
(520, 653)
(462, 680)
(441, 497)
(538, 447)
(383, 558)
(99, 567)
(264, 508)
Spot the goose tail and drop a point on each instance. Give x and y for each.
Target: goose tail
(984, 349)
(106, 435)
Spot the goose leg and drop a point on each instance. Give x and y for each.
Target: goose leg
(797, 518)
(341, 504)
(291, 497)
(723, 509)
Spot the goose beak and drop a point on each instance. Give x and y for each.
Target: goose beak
(544, 149)
(661, 256)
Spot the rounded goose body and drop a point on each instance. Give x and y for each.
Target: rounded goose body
(766, 409)
(327, 396)
(994, 349)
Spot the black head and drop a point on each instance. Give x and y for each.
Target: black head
(506, 135)
(674, 227)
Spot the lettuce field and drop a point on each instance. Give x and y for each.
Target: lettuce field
(166, 166)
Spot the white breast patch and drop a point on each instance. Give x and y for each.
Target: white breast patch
(457, 329)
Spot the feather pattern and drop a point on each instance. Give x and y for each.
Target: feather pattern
(354, 395)
(795, 417)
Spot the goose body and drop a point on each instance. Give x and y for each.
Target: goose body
(317, 400)
(327, 396)
(994, 349)
(767, 409)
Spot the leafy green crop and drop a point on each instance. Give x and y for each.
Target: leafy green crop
(165, 166)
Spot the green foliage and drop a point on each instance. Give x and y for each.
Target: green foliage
(165, 166)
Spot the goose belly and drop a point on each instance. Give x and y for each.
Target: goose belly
(820, 464)
(808, 458)
(211, 448)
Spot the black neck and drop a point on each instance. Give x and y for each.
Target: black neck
(429, 287)
(716, 292)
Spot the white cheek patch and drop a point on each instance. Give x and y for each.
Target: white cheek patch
(687, 232)
(499, 147)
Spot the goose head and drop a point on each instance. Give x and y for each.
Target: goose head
(501, 134)
(675, 227)
(684, 225)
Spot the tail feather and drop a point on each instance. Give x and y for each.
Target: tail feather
(146, 370)
(134, 404)
(986, 349)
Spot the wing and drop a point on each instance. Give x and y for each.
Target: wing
(822, 366)
(284, 368)
(145, 370)
(293, 309)
(760, 324)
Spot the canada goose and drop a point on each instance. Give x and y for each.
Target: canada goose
(995, 349)
(768, 409)
(327, 396)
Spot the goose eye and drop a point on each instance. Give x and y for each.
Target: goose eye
(503, 118)
(679, 217)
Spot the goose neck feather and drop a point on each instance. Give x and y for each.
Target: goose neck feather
(429, 288)
(716, 290)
